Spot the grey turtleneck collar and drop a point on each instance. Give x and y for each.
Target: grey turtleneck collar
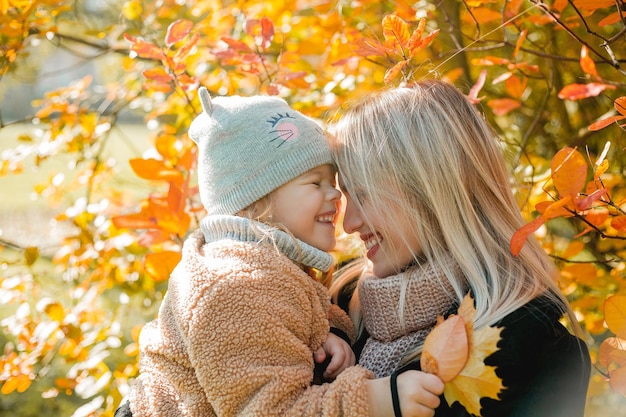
(216, 227)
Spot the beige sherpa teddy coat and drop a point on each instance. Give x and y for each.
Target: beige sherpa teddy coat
(236, 334)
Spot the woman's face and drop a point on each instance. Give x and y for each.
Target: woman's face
(388, 252)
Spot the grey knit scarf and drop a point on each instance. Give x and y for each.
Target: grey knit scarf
(218, 226)
(428, 295)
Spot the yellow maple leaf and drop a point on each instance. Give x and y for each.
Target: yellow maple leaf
(475, 380)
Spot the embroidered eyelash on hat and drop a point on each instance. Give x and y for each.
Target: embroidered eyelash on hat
(249, 146)
(285, 130)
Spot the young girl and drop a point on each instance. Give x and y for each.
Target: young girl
(428, 193)
(243, 316)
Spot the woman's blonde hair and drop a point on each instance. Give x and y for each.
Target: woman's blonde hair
(426, 150)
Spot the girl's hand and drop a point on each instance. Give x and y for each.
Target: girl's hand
(341, 355)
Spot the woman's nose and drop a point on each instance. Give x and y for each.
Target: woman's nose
(352, 220)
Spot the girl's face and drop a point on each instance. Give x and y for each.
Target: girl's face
(308, 205)
(387, 250)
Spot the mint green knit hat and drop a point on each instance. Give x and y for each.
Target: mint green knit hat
(250, 146)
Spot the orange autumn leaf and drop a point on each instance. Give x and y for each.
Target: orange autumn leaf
(619, 357)
(605, 357)
(586, 62)
(157, 74)
(573, 249)
(601, 168)
(516, 86)
(485, 15)
(423, 43)
(394, 71)
(177, 31)
(160, 265)
(560, 208)
(235, 44)
(619, 223)
(416, 36)
(601, 124)
(620, 107)
(446, 349)
(476, 380)
(579, 91)
(521, 235)
(618, 380)
(154, 169)
(615, 314)
(396, 31)
(503, 106)
(597, 216)
(569, 172)
(134, 221)
(145, 49)
(520, 41)
(593, 4)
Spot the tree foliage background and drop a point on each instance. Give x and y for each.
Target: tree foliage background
(549, 76)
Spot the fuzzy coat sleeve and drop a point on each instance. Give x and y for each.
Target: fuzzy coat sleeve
(340, 320)
(247, 322)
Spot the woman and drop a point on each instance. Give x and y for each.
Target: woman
(429, 195)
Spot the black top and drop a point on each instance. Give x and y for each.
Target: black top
(544, 368)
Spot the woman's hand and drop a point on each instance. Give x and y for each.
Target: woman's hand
(418, 393)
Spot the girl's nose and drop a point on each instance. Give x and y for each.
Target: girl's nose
(334, 194)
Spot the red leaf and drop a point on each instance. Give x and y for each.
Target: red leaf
(177, 31)
(585, 203)
(267, 32)
(580, 91)
(478, 85)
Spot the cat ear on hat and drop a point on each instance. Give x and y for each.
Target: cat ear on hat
(205, 100)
